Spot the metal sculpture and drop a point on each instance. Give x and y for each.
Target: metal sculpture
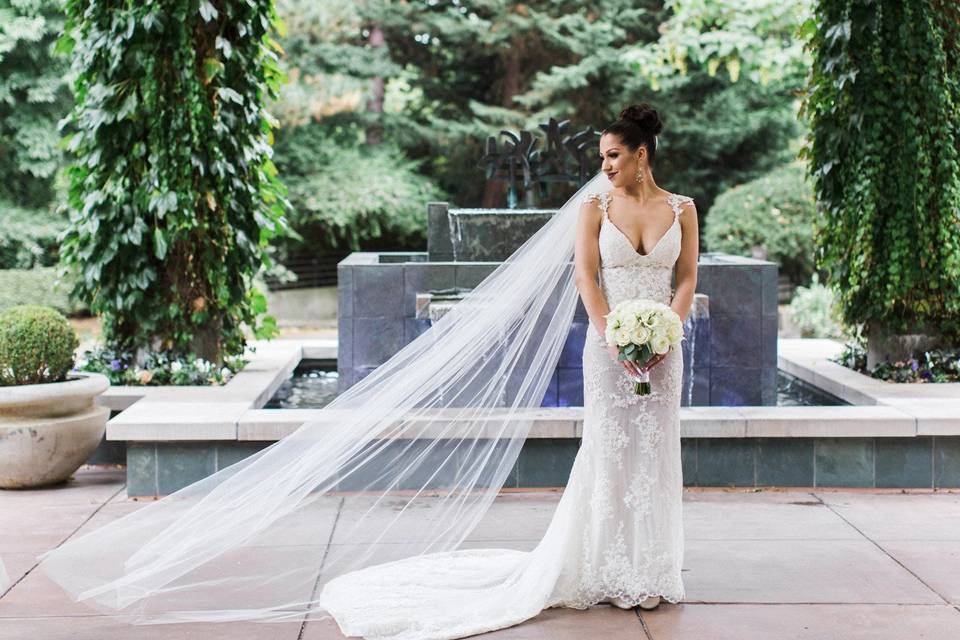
(564, 158)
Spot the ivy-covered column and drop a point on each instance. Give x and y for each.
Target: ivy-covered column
(173, 195)
(884, 108)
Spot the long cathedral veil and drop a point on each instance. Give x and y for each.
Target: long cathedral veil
(406, 462)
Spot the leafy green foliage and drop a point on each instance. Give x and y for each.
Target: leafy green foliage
(345, 193)
(884, 108)
(36, 345)
(770, 217)
(28, 237)
(173, 194)
(39, 285)
(456, 73)
(753, 38)
(34, 96)
(158, 368)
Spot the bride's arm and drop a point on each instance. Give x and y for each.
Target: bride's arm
(687, 261)
(587, 263)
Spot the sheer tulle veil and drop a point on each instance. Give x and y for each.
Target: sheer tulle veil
(403, 463)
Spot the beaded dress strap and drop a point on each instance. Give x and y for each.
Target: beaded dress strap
(605, 204)
(603, 198)
(675, 201)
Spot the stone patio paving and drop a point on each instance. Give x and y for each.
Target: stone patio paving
(759, 564)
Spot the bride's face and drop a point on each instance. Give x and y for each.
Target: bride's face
(617, 161)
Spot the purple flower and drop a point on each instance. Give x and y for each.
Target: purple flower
(914, 365)
(115, 365)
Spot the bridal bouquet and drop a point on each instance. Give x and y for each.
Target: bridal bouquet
(642, 329)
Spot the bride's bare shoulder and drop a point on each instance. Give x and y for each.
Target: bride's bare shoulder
(590, 216)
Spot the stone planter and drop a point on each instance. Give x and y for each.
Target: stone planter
(48, 430)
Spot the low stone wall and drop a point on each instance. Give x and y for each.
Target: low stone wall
(897, 436)
(311, 306)
(160, 468)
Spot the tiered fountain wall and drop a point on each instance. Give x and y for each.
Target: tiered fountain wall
(730, 356)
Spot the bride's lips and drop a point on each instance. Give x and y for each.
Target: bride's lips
(610, 175)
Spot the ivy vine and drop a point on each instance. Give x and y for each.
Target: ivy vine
(883, 103)
(173, 195)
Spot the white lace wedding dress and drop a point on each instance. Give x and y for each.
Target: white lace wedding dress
(617, 530)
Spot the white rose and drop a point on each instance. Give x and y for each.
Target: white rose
(176, 366)
(668, 316)
(660, 344)
(675, 333)
(640, 335)
(610, 333)
(622, 337)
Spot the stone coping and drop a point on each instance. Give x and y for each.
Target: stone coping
(695, 422)
(271, 364)
(807, 358)
(232, 412)
(935, 406)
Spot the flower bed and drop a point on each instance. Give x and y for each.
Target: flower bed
(158, 368)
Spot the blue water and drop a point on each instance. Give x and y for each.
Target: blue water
(314, 385)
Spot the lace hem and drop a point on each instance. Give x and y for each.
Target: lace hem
(673, 594)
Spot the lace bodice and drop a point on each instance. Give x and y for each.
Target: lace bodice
(625, 272)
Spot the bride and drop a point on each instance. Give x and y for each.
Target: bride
(362, 514)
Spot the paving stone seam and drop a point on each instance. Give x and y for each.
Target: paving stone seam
(70, 535)
(326, 550)
(643, 623)
(884, 551)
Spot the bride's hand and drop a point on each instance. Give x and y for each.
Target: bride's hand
(630, 367)
(652, 362)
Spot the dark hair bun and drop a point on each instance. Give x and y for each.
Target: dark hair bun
(644, 116)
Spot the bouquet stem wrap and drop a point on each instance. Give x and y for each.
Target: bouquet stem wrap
(641, 385)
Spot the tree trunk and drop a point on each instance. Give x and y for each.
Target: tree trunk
(893, 347)
(374, 132)
(495, 191)
(206, 343)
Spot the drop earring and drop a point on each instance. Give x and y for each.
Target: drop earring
(639, 176)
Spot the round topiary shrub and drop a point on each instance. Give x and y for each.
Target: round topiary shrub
(37, 345)
(770, 218)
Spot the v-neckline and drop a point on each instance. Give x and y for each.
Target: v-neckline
(606, 217)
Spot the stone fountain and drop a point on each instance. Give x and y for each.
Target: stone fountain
(387, 299)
